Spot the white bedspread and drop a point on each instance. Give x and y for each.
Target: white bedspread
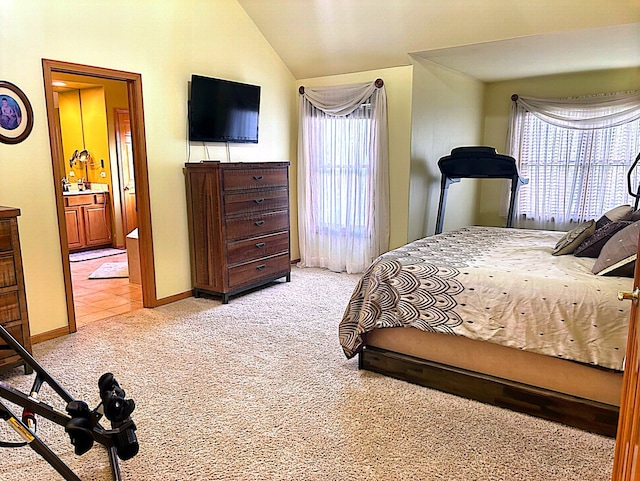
(498, 285)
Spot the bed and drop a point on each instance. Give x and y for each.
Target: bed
(490, 314)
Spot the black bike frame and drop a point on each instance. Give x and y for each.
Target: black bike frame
(30, 404)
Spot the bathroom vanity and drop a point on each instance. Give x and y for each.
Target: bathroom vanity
(88, 219)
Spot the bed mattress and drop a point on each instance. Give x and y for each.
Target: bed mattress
(498, 285)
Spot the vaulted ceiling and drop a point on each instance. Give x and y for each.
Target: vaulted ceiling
(487, 39)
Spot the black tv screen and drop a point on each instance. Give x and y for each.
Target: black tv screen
(223, 111)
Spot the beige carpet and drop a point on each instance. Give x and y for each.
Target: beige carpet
(111, 270)
(258, 389)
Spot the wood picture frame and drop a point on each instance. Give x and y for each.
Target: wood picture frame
(16, 114)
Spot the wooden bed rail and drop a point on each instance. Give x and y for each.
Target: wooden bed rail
(573, 411)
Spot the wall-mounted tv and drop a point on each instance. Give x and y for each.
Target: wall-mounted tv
(223, 111)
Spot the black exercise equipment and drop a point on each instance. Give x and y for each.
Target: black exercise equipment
(80, 423)
(633, 194)
(477, 162)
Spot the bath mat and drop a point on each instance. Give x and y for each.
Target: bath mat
(110, 270)
(94, 254)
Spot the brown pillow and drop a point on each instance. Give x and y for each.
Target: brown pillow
(622, 212)
(573, 238)
(593, 244)
(618, 256)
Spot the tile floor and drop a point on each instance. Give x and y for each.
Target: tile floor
(96, 299)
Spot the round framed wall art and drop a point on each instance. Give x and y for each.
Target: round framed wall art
(16, 114)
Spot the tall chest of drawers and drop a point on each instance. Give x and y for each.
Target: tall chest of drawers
(13, 300)
(238, 215)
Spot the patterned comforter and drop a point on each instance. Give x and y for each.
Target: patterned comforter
(497, 285)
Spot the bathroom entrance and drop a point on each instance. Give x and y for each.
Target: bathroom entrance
(101, 184)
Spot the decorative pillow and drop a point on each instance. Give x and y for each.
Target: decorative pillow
(593, 244)
(618, 256)
(573, 238)
(622, 212)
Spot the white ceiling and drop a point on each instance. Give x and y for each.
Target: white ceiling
(490, 40)
(547, 54)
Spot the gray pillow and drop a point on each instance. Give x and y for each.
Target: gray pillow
(593, 244)
(622, 212)
(618, 256)
(572, 239)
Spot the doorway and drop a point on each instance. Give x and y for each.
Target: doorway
(132, 133)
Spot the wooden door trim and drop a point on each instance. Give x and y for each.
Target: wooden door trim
(138, 138)
(625, 462)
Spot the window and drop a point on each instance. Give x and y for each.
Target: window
(343, 208)
(575, 174)
(343, 169)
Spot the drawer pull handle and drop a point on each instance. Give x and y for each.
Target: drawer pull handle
(258, 201)
(257, 177)
(259, 222)
(260, 245)
(261, 266)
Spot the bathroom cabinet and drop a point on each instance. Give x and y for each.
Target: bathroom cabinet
(88, 220)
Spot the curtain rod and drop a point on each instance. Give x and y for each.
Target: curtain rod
(514, 97)
(378, 83)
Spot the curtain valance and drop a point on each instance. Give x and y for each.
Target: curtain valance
(583, 113)
(340, 100)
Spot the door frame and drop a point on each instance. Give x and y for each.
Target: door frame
(626, 464)
(138, 139)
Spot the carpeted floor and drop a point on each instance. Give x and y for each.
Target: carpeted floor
(258, 389)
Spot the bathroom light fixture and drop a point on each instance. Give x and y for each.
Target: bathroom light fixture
(74, 158)
(84, 156)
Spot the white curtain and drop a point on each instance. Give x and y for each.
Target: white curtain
(576, 153)
(343, 181)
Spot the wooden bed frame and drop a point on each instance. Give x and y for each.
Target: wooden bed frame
(559, 390)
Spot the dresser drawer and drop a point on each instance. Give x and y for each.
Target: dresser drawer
(5, 236)
(240, 179)
(256, 201)
(7, 271)
(255, 225)
(253, 272)
(9, 307)
(257, 247)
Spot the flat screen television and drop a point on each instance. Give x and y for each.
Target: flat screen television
(223, 111)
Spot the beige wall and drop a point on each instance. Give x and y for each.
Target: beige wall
(497, 104)
(165, 42)
(168, 41)
(446, 113)
(397, 83)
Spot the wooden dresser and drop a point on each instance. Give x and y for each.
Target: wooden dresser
(13, 301)
(238, 216)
